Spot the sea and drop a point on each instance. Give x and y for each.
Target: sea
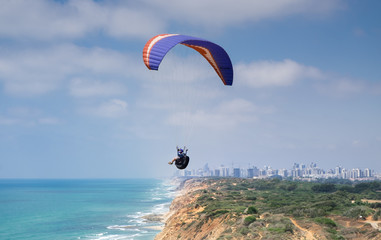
(82, 209)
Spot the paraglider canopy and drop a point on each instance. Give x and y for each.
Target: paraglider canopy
(157, 47)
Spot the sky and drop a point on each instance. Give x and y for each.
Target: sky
(77, 101)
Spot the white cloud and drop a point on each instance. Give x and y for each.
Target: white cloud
(47, 20)
(39, 71)
(8, 121)
(227, 114)
(80, 87)
(274, 74)
(26, 116)
(225, 13)
(113, 108)
(340, 87)
(288, 72)
(23, 112)
(348, 86)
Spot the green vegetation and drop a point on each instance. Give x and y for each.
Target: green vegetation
(248, 199)
(357, 211)
(377, 215)
(252, 210)
(325, 187)
(249, 219)
(326, 221)
(298, 199)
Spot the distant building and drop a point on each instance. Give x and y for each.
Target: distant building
(250, 173)
(224, 171)
(298, 171)
(355, 173)
(338, 170)
(283, 172)
(367, 173)
(206, 168)
(237, 172)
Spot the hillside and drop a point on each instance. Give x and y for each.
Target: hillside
(229, 208)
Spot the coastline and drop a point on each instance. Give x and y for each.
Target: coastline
(184, 197)
(161, 218)
(243, 209)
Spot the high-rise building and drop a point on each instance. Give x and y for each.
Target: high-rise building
(236, 172)
(356, 173)
(338, 170)
(367, 173)
(283, 172)
(224, 171)
(250, 173)
(206, 168)
(298, 171)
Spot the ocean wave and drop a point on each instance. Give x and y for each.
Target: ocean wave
(136, 225)
(161, 208)
(124, 228)
(117, 237)
(133, 232)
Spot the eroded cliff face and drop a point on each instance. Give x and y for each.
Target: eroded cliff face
(185, 221)
(190, 219)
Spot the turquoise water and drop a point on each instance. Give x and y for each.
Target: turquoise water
(81, 209)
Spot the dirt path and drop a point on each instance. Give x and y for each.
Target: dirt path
(375, 224)
(371, 200)
(306, 233)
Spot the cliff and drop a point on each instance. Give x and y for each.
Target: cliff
(184, 221)
(240, 209)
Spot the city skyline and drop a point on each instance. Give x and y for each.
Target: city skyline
(299, 171)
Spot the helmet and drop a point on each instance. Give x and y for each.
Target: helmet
(180, 150)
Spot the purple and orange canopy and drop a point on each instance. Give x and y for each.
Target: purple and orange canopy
(157, 47)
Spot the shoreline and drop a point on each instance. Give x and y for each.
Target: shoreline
(161, 218)
(183, 198)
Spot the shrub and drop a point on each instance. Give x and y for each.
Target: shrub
(371, 186)
(251, 197)
(244, 230)
(249, 219)
(252, 210)
(328, 205)
(325, 187)
(377, 215)
(289, 228)
(276, 229)
(357, 211)
(217, 213)
(292, 187)
(375, 205)
(326, 221)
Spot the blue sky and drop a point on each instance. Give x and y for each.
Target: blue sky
(76, 100)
